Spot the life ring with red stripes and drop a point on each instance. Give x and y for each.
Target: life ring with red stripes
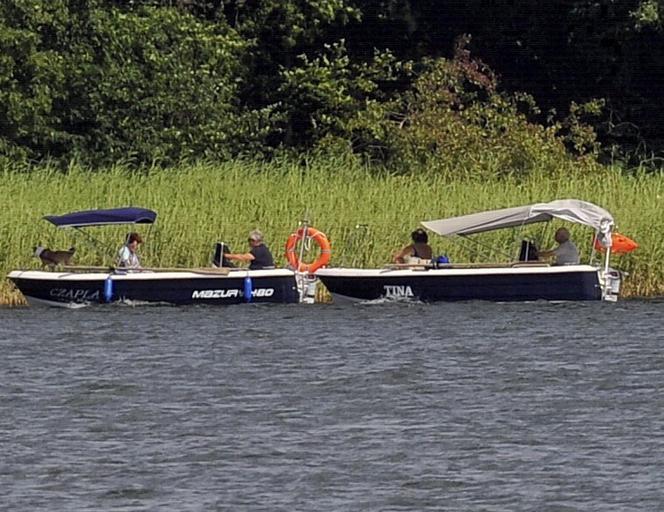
(322, 242)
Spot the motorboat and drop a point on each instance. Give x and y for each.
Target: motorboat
(73, 286)
(80, 287)
(520, 279)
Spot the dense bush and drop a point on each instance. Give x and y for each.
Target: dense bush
(452, 119)
(106, 84)
(159, 81)
(32, 78)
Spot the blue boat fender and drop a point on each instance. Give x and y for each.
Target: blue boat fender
(248, 289)
(108, 289)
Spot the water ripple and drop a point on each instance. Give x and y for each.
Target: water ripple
(390, 407)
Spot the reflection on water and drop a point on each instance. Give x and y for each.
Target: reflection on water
(471, 406)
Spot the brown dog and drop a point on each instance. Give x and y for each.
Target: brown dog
(53, 258)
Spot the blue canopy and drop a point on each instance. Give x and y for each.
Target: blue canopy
(103, 217)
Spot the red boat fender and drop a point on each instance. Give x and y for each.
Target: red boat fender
(320, 239)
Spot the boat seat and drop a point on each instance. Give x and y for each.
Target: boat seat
(514, 264)
(219, 259)
(406, 266)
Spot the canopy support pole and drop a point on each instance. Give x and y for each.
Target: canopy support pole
(92, 241)
(485, 246)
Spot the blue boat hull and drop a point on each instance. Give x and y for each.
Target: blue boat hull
(579, 282)
(178, 288)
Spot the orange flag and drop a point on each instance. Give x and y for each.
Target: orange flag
(620, 244)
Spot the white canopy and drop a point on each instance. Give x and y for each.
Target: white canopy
(572, 210)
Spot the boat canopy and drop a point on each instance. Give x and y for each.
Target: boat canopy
(103, 217)
(572, 210)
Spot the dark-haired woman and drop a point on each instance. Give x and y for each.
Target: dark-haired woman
(419, 249)
(127, 257)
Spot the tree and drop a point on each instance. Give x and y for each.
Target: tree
(32, 77)
(103, 84)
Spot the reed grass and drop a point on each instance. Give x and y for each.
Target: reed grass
(366, 215)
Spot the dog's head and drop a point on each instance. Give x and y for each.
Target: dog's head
(38, 251)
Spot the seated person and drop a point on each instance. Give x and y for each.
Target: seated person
(420, 248)
(566, 253)
(127, 257)
(259, 256)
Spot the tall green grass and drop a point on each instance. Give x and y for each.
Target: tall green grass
(367, 216)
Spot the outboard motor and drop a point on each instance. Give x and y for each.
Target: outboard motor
(529, 251)
(611, 288)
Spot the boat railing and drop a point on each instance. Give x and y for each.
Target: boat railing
(440, 266)
(120, 270)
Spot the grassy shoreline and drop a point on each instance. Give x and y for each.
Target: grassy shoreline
(365, 215)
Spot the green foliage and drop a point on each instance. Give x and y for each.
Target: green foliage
(158, 85)
(164, 81)
(282, 36)
(454, 120)
(290, 23)
(328, 98)
(105, 84)
(648, 14)
(577, 132)
(451, 117)
(32, 76)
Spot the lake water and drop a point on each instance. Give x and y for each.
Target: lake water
(377, 407)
